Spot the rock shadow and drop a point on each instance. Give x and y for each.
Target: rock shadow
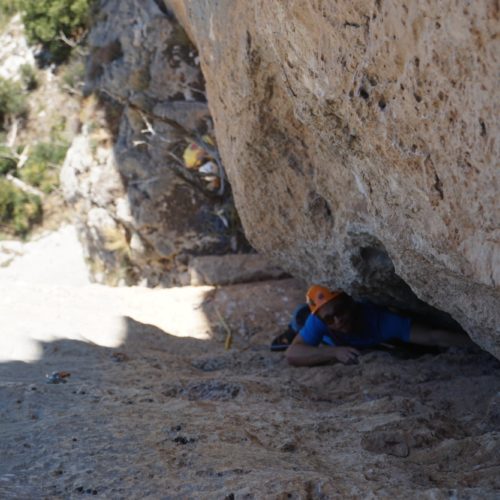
(56, 438)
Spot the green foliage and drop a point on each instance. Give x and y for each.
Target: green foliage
(42, 168)
(40, 176)
(7, 9)
(12, 101)
(7, 162)
(49, 153)
(57, 131)
(29, 77)
(45, 20)
(18, 210)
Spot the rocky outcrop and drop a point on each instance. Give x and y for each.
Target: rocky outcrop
(361, 141)
(141, 213)
(232, 269)
(14, 50)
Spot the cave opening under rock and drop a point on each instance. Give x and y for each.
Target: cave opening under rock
(379, 282)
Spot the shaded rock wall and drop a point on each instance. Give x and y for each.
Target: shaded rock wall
(361, 141)
(141, 214)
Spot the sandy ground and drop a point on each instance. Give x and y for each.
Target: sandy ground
(155, 407)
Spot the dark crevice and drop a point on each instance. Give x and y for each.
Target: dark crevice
(483, 128)
(294, 163)
(318, 208)
(163, 8)
(379, 283)
(249, 42)
(438, 185)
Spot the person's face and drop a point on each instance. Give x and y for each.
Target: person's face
(336, 322)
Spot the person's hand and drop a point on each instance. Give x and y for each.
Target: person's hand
(347, 355)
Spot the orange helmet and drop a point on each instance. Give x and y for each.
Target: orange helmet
(317, 296)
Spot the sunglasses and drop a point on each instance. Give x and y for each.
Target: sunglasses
(340, 314)
(329, 318)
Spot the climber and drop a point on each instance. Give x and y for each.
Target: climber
(337, 327)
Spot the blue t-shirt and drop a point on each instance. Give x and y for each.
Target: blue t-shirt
(377, 325)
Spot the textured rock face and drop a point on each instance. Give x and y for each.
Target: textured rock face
(140, 218)
(232, 269)
(361, 141)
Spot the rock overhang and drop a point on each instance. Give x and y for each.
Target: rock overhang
(361, 141)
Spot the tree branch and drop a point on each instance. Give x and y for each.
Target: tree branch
(23, 186)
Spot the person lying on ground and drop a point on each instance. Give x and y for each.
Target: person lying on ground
(345, 326)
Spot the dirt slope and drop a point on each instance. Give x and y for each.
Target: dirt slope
(150, 412)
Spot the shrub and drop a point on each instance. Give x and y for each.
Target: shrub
(41, 176)
(42, 168)
(49, 153)
(19, 211)
(12, 101)
(7, 9)
(29, 77)
(45, 20)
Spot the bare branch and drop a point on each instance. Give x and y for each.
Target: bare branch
(144, 181)
(23, 186)
(12, 135)
(75, 44)
(72, 90)
(23, 157)
(67, 40)
(149, 128)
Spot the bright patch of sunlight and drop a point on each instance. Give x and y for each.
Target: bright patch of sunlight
(19, 348)
(176, 311)
(36, 314)
(45, 295)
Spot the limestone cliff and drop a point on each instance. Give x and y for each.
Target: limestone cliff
(361, 142)
(141, 213)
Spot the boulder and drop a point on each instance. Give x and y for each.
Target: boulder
(231, 269)
(361, 142)
(14, 50)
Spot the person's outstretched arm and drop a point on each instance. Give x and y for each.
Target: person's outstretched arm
(301, 354)
(426, 335)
